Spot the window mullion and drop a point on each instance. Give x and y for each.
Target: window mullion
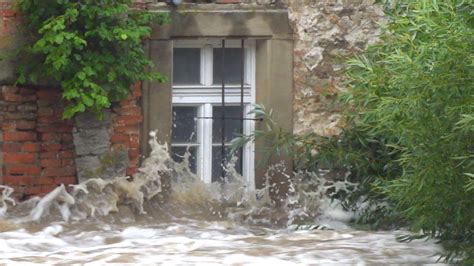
(207, 144)
(248, 161)
(206, 65)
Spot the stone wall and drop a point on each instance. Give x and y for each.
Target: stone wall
(109, 146)
(326, 33)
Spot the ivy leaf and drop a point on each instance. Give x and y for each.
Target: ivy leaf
(59, 39)
(81, 75)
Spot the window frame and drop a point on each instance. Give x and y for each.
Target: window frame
(206, 95)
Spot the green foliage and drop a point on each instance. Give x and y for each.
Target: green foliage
(92, 48)
(410, 139)
(417, 90)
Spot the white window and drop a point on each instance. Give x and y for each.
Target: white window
(197, 104)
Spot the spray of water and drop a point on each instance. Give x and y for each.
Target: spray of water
(307, 201)
(143, 219)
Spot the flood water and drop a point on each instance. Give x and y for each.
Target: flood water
(202, 242)
(122, 221)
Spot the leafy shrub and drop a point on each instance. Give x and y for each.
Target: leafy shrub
(92, 48)
(416, 89)
(411, 114)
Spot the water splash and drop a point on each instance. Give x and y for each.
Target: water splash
(142, 219)
(308, 198)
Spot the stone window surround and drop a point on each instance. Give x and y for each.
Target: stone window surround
(270, 28)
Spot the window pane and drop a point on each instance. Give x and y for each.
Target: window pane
(232, 123)
(217, 171)
(177, 154)
(186, 66)
(233, 65)
(184, 125)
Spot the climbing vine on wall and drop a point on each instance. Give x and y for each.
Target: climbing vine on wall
(93, 49)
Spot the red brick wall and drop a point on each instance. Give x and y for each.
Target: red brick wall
(38, 149)
(126, 120)
(38, 153)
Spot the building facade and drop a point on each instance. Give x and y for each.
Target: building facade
(285, 54)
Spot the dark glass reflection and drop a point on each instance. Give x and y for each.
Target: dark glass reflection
(186, 66)
(184, 125)
(232, 126)
(232, 68)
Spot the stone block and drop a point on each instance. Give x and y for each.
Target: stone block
(85, 166)
(92, 141)
(90, 120)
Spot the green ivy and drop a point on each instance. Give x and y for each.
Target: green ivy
(92, 48)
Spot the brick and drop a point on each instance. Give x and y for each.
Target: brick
(134, 162)
(50, 136)
(127, 129)
(131, 171)
(67, 138)
(49, 155)
(64, 128)
(19, 124)
(19, 136)
(68, 162)
(66, 180)
(18, 116)
(18, 98)
(44, 180)
(30, 107)
(67, 154)
(51, 95)
(8, 126)
(25, 125)
(19, 158)
(130, 110)
(118, 138)
(33, 190)
(17, 180)
(128, 103)
(50, 163)
(30, 147)
(48, 188)
(133, 153)
(12, 147)
(128, 120)
(55, 128)
(50, 147)
(136, 90)
(67, 146)
(26, 91)
(27, 170)
(45, 111)
(62, 171)
(119, 146)
(10, 90)
(7, 13)
(134, 142)
(48, 119)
